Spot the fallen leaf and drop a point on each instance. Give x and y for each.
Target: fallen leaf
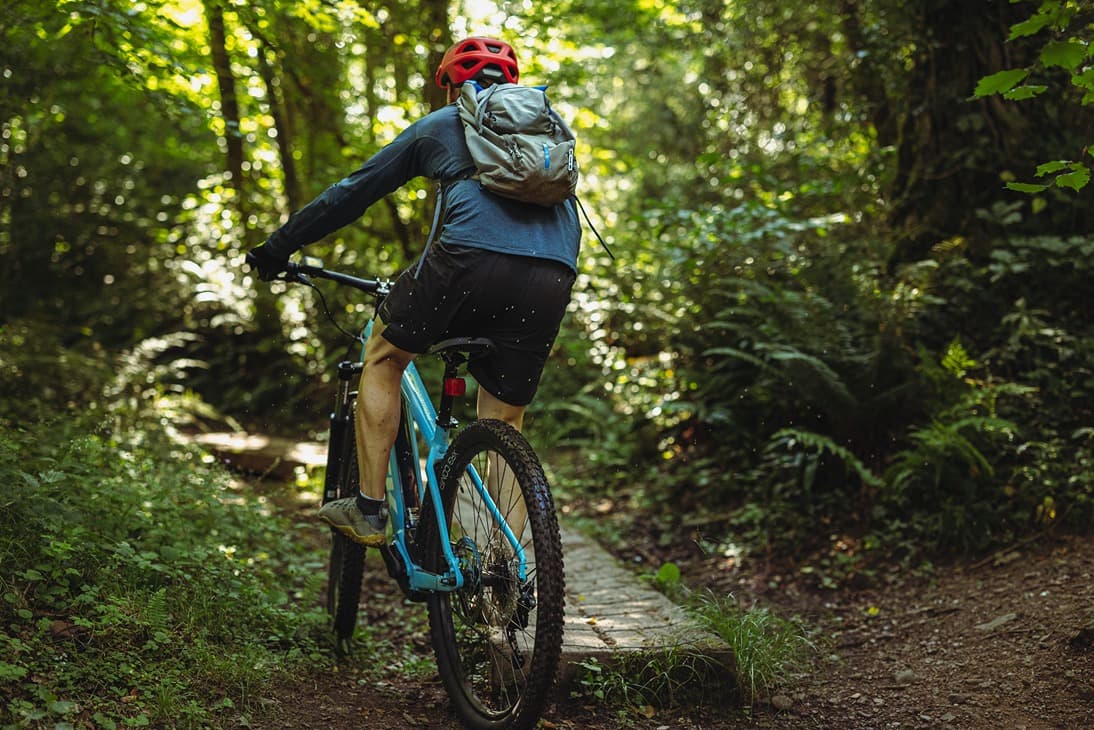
(997, 622)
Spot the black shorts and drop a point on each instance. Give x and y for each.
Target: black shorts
(516, 301)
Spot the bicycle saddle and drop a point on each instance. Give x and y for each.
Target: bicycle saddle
(471, 346)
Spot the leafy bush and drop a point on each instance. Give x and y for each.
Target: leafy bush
(793, 382)
(40, 377)
(138, 585)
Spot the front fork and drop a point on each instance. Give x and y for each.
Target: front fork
(341, 422)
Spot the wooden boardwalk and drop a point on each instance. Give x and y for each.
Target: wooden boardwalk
(612, 616)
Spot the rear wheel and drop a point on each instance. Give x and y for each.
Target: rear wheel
(498, 638)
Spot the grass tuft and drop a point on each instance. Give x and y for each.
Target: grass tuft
(767, 648)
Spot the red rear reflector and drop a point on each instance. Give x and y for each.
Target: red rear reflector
(455, 386)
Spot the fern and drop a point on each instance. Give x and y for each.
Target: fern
(791, 437)
(803, 371)
(155, 611)
(732, 353)
(944, 445)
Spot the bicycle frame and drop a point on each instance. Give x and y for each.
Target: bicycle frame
(437, 438)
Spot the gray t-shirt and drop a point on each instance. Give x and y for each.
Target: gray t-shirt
(434, 147)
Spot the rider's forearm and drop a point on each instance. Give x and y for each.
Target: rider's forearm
(349, 198)
(335, 207)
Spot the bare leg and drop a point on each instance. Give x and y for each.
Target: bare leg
(501, 482)
(378, 409)
(491, 407)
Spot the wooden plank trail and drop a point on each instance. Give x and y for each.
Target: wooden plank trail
(611, 616)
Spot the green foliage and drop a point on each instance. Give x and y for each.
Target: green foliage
(39, 377)
(1000, 83)
(178, 597)
(763, 347)
(944, 484)
(1069, 54)
(787, 405)
(95, 165)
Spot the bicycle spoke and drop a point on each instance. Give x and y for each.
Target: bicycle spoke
(498, 637)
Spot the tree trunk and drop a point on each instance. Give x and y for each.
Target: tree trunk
(279, 112)
(229, 105)
(435, 20)
(949, 153)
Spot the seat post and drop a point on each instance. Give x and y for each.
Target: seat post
(452, 362)
(455, 352)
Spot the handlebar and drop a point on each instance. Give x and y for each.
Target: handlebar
(295, 272)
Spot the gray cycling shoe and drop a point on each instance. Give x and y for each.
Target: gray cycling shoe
(344, 516)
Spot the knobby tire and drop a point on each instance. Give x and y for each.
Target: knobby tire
(496, 654)
(347, 558)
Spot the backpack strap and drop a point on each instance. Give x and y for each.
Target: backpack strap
(433, 229)
(480, 112)
(593, 228)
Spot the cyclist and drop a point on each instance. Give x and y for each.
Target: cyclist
(499, 268)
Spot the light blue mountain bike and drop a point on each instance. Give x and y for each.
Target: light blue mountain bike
(472, 532)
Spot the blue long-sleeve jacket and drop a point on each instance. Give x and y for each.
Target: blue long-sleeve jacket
(434, 147)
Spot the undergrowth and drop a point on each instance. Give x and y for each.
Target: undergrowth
(788, 404)
(139, 585)
(768, 649)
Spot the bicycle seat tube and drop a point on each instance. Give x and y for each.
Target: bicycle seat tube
(422, 413)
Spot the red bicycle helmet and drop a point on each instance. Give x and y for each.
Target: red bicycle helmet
(468, 58)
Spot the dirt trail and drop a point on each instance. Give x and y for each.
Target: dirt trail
(1006, 642)
(1003, 644)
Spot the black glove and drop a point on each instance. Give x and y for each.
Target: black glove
(265, 264)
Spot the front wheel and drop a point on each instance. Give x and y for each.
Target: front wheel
(498, 639)
(347, 559)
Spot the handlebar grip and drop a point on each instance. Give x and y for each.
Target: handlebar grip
(296, 272)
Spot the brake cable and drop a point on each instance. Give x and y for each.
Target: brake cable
(326, 310)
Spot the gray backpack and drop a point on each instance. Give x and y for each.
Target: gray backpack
(522, 149)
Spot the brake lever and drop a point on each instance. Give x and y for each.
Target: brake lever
(293, 275)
